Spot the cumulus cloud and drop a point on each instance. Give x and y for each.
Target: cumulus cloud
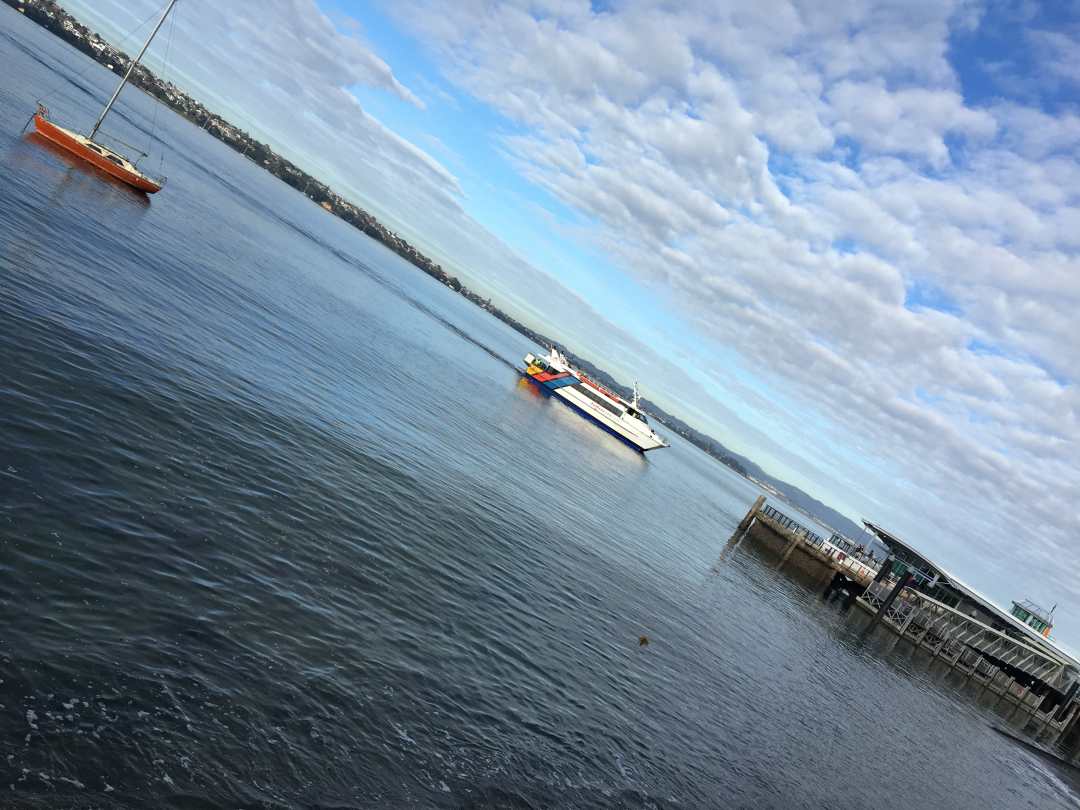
(808, 185)
(913, 121)
(1059, 54)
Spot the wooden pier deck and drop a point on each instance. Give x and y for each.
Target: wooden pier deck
(800, 546)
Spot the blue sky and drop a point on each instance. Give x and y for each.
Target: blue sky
(464, 134)
(843, 239)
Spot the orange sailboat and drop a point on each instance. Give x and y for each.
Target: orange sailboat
(84, 146)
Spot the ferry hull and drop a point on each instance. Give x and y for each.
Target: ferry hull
(560, 385)
(77, 145)
(631, 441)
(607, 428)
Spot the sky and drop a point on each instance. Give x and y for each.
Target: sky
(843, 238)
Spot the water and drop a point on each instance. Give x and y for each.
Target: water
(280, 526)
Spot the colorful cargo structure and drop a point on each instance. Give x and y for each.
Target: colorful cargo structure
(1010, 654)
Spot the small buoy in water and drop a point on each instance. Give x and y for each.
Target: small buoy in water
(643, 641)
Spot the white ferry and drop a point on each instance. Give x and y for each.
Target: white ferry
(613, 413)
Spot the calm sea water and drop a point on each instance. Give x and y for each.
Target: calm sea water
(280, 526)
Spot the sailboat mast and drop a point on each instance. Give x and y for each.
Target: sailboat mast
(131, 67)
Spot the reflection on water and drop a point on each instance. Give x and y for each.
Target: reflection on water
(529, 388)
(84, 177)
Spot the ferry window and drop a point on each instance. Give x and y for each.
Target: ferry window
(603, 403)
(115, 160)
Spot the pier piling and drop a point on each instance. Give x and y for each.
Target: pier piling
(745, 522)
(817, 556)
(794, 541)
(901, 583)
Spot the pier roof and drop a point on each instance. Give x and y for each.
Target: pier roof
(907, 553)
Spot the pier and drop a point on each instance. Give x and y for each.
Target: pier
(800, 546)
(1007, 655)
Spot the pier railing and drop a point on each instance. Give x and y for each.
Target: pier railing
(837, 548)
(792, 526)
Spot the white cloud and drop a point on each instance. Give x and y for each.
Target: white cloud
(1034, 134)
(912, 121)
(806, 184)
(1059, 53)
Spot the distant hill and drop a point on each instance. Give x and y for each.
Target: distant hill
(821, 512)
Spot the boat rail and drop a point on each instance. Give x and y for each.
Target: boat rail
(585, 378)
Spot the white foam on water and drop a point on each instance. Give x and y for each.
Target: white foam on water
(1048, 774)
(403, 735)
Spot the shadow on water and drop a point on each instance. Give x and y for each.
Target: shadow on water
(853, 629)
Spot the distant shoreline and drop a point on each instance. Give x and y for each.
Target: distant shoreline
(51, 16)
(56, 20)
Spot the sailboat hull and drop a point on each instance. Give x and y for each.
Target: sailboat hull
(99, 156)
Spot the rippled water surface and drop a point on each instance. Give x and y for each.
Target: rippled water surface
(280, 526)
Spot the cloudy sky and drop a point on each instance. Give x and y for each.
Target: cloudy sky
(841, 237)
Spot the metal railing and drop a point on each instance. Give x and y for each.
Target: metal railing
(960, 639)
(792, 526)
(837, 548)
